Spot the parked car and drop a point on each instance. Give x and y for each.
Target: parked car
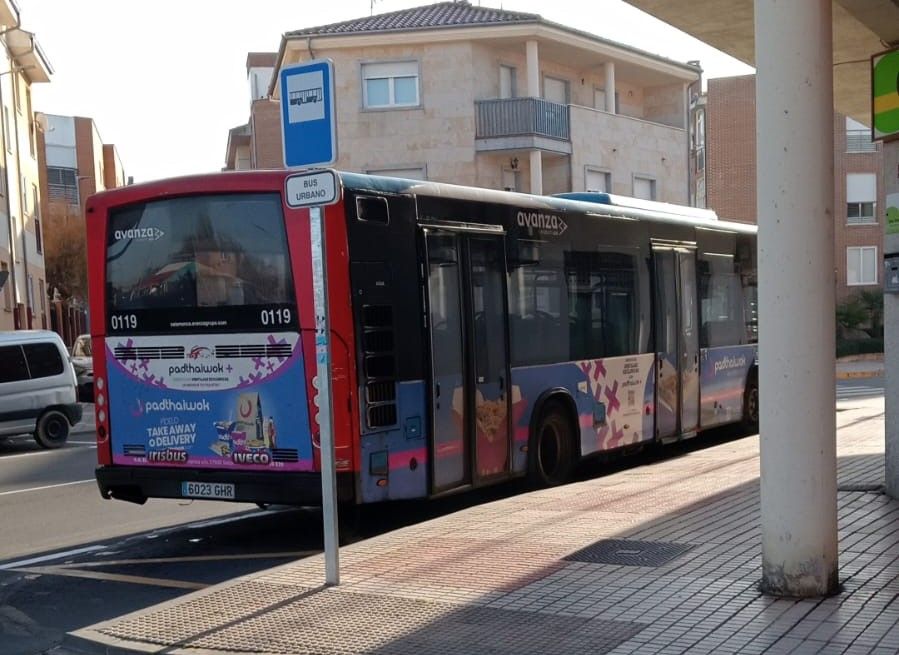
(84, 367)
(38, 393)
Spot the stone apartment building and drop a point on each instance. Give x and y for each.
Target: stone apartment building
(728, 179)
(73, 164)
(485, 97)
(23, 296)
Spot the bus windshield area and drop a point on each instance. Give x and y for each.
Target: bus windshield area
(222, 255)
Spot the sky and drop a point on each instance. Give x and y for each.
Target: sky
(165, 80)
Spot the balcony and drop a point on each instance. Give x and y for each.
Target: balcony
(522, 123)
(859, 141)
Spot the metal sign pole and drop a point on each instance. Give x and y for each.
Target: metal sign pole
(323, 398)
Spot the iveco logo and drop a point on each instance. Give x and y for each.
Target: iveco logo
(545, 223)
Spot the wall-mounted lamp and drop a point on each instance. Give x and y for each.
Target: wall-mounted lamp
(514, 163)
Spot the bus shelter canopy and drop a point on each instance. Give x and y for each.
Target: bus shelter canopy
(860, 29)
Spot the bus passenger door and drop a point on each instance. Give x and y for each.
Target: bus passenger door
(449, 454)
(677, 341)
(489, 343)
(466, 304)
(689, 337)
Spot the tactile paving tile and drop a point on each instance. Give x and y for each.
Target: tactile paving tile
(624, 552)
(331, 622)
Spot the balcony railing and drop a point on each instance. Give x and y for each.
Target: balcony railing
(859, 141)
(522, 117)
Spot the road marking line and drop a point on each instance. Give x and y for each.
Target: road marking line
(48, 558)
(112, 577)
(192, 558)
(49, 486)
(3, 458)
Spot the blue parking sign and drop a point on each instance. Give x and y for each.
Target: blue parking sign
(308, 127)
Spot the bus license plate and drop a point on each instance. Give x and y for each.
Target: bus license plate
(222, 490)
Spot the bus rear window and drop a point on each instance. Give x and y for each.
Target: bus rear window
(210, 262)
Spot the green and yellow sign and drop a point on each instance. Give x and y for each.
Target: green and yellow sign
(885, 94)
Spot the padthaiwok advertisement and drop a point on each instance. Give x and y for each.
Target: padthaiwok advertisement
(213, 401)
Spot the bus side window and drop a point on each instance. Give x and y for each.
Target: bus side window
(721, 302)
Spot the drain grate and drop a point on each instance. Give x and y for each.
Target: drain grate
(623, 552)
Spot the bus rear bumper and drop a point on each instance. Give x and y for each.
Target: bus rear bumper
(136, 484)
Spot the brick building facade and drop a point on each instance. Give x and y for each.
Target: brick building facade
(859, 201)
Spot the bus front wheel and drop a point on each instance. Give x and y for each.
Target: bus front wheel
(551, 450)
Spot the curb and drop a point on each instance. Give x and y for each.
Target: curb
(84, 646)
(851, 375)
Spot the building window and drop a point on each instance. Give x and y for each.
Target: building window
(860, 212)
(555, 90)
(507, 82)
(598, 181)
(62, 184)
(644, 187)
(390, 85)
(38, 239)
(861, 196)
(861, 265)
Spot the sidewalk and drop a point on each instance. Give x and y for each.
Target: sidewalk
(662, 558)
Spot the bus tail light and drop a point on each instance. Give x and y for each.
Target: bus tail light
(100, 397)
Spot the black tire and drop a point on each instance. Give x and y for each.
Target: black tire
(52, 429)
(751, 404)
(551, 448)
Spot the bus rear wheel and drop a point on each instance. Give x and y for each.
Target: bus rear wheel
(751, 404)
(551, 451)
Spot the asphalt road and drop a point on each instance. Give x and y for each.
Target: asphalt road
(49, 500)
(860, 388)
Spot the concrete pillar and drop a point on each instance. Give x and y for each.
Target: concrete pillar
(891, 325)
(536, 172)
(533, 69)
(536, 164)
(794, 139)
(610, 86)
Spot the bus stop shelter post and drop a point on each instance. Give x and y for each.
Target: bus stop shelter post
(794, 133)
(323, 398)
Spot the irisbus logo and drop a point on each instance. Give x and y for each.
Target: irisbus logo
(543, 223)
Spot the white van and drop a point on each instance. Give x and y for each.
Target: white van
(37, 387)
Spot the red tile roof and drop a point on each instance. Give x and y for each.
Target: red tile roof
(441, 14)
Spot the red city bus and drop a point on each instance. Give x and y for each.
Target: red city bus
(476, 335)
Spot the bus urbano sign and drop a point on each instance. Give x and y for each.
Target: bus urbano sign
(311, 189)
